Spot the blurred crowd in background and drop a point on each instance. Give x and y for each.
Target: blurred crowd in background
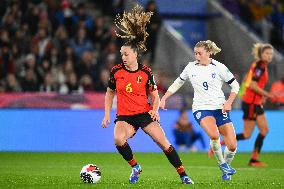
(69, 46)
(264, 17)
(61, 46)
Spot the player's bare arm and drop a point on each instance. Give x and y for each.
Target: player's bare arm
(155, 103)
(108, 104)
(257, 89)
(228, 104)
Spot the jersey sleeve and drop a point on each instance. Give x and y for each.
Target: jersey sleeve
(257, 73)
(226, 74)
(184, 74)
(151, 84)
(111, 81)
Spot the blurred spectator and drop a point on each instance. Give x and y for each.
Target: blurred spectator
(32, 18)
(48, 84)
(185, 135)
(99, 33)
(43, 69)
(6, 61)
(12, 84)
(87, 83)
(80, 43)
(2, 86)
(68, 54)
(61, 39)
(102, 84)
(87, 65)
(153, 28)
(22, 39)
(29, 82)
(41, 43)
(81, 16)
(72, 85)
(63, 71)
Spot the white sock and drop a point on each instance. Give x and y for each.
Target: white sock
(216, 147)
(228, 155)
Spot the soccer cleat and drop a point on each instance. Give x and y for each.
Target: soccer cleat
(256, 163)
(136, 170)
(226, 177)
(210, 153)
(227, 169)
(186, 180)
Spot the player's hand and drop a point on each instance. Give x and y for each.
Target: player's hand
(106, 121)
(154, 115)
(271, 95)
(163, 104)
(227, 107)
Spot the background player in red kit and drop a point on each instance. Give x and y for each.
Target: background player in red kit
(252, 99)
(132, 83)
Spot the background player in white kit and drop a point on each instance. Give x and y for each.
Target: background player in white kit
(210, 109)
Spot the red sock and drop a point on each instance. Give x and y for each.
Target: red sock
(180, 170)
(132, 162)
(254, 155)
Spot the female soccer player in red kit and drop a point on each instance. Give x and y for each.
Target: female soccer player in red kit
(133, 82)
(252, 99)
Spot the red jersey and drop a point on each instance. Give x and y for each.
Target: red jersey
(258, 72)
(132, 89)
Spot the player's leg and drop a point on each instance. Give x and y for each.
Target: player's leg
(249, 118)
(229, 137)
(208, 123)
(228, 133)
(155, 131)
(247, 131)
(122, 132)
(263, 130)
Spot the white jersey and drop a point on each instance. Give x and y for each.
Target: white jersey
(207, 83)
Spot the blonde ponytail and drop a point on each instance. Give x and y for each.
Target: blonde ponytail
(209, 46)
(258, 49)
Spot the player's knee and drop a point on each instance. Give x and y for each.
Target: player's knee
(232, 147)
(214, 136)
(247, 135)
(163, 143)
(264, 132)
(119, 140)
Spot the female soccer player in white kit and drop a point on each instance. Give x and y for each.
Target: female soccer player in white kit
(210, 109)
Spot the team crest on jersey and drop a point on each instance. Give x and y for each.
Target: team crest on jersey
(258, 72)
(198, 115)
(139, 79)
(213, 75)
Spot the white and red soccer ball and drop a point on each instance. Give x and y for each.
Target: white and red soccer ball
(90, 174)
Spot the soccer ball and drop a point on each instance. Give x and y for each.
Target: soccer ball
(90, 174)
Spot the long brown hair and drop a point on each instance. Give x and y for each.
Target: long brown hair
(132, 26)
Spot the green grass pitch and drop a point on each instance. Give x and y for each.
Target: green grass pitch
(61, 170)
